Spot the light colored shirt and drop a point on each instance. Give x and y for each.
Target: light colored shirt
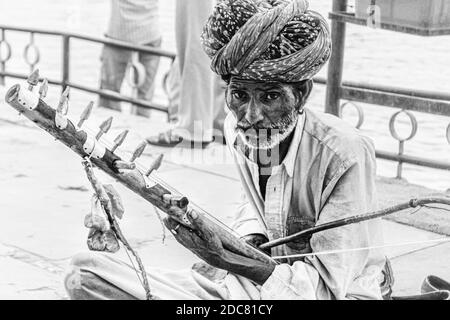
(135, 21)
(327, 174)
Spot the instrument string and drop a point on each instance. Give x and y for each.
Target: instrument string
(303, 255)
(156, 178)
(135, 269)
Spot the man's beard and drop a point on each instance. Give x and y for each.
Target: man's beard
(268, 138)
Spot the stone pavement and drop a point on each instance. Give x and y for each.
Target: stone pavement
(45, 196)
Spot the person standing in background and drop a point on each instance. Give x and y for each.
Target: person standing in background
(201, 106)
(136, 22)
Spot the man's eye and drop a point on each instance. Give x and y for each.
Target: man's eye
(271, 96)
(240, 95)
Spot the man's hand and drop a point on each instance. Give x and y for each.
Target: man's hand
(206, 245)
(202, 242)
(255, 239)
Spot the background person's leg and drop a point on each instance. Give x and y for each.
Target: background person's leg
(114, 64)
(172, 89)
(196, 109)
(151, 63)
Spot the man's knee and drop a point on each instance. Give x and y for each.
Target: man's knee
(80, 275)
(85, 279)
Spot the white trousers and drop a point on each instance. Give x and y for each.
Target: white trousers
(201, 98)
(101, 276)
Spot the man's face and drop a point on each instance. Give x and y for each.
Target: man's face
(266, 112)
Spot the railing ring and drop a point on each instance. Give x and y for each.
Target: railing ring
(136, 74)
(413, 121)
(358, 109)
(26, 54)
(5, 43)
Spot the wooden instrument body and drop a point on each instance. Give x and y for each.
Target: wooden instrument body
(44, 116)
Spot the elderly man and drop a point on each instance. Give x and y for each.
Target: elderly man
(298, 169)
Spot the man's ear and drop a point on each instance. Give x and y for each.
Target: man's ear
(304, 89)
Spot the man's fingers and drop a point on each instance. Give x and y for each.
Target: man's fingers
(203, 238)
(255, 239)
(182, 234)
(199, 224)
(207, 246)
(194, 218)
(170, 223)
(210, 239)
(175, 227)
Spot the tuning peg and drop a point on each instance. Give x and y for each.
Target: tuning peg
(138, 152)
(63, 105)
(119, 140)
(155, 164)
(104, 127)
(86, 114)
(62, 109)
(43, 89)
(179, 201)
(124, 165)
(33, 79)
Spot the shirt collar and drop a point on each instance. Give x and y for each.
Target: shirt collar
(291, 156)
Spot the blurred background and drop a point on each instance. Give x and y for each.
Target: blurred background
(371, 56)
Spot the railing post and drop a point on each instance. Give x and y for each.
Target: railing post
(65, 61)
(2, 59)
(335, 66)
(401, 150)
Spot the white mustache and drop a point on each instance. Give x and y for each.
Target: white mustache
(281, 125)
(270, 138)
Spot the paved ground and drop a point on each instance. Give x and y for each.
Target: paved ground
(45, 197)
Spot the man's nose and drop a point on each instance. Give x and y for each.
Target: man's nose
(253, 114)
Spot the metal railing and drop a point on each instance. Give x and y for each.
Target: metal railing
(32, 57)
(407, 101)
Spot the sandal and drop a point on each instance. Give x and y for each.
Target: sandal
(164, 139)
(170, 139)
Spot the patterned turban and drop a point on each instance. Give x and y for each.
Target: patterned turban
(268, 40)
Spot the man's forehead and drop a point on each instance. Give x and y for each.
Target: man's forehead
(265, 85)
